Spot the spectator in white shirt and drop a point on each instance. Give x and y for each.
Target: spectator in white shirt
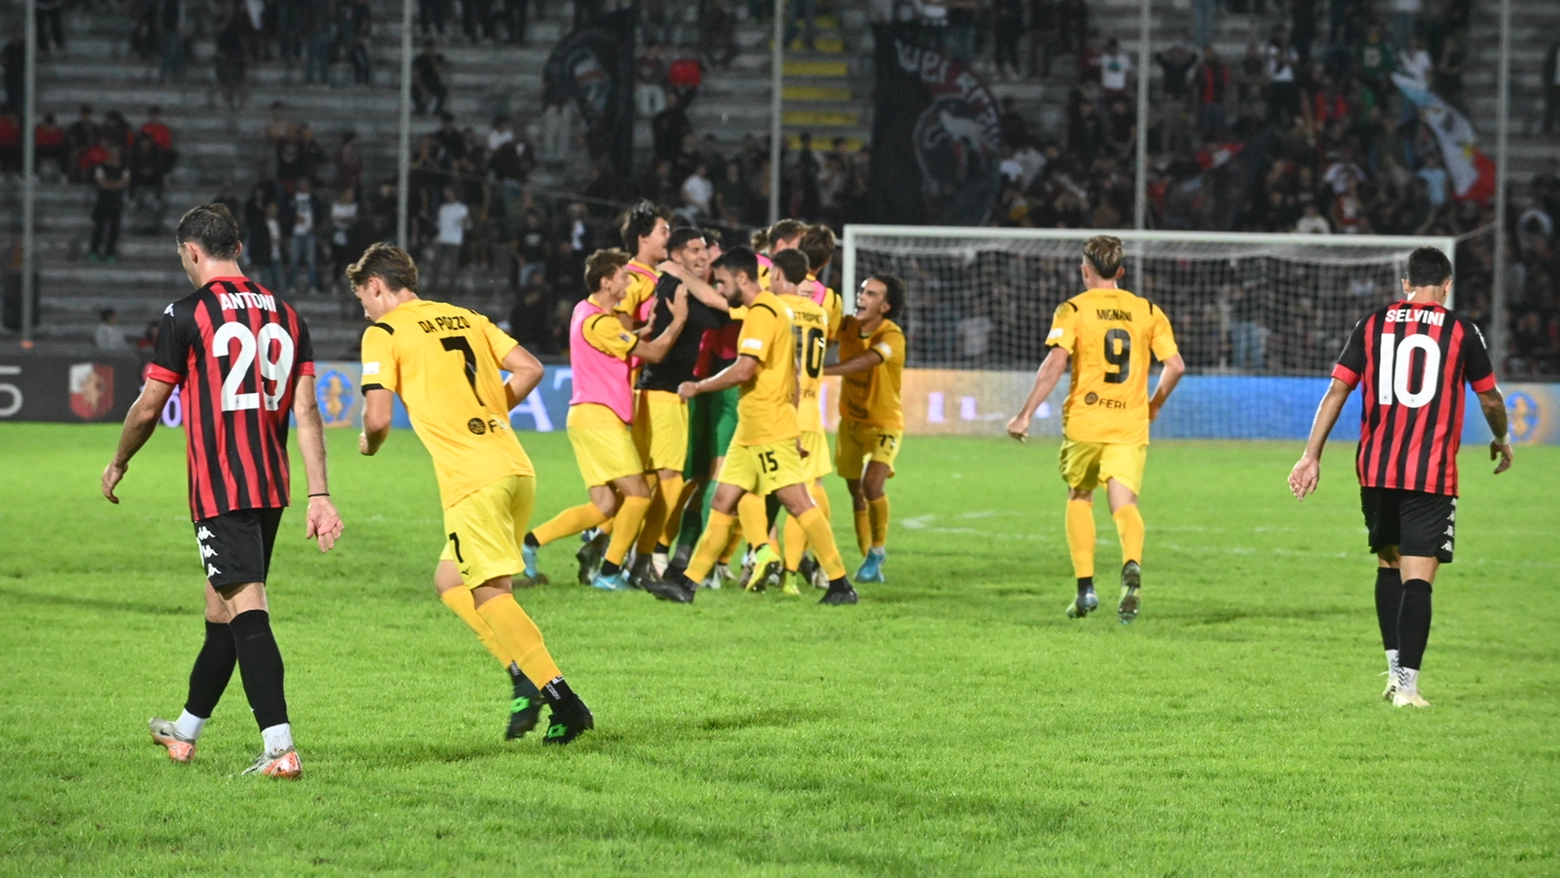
(697, 192)
(500, 135)
(1313, 223)
(109, 337)
(1114, 66)
(1415, 61)
(1435, 179)
(454, 220)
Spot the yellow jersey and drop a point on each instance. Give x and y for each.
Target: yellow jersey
(810, 342)
(642, 279)
(444, 360)
(1110, 334)
(833, 305)
(766, 411)
(872, 397)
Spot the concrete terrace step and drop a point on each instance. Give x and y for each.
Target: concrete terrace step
(815, 68)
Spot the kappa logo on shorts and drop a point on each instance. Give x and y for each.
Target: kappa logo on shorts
(211, 570)
(207, 551)
(477, 426)
(203, 534)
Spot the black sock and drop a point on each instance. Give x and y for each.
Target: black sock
(260, 665)
(1085, 583)
(609, 569)
(839, 584)
(662, 549)
(1389, 602)
(557, 690)
(1413, 624)
(524, 688)
(530, 540)
(213, 668)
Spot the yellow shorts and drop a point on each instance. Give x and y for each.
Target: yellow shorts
(859, 444)
(484, 529)
(761, 469)
(605, 453)
(1087, 465)
(817, 463)
(661, 430)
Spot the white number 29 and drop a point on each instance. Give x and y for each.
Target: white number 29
(253, 348)
(1392, 379)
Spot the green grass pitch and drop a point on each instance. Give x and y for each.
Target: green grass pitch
(953, 722)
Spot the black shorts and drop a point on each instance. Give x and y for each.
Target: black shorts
(235, 547)
(1418, 524)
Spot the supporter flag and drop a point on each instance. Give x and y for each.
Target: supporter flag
(936, 148)
(594, 67)
(1471, 171)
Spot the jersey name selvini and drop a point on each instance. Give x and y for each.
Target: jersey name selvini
(1112, 336)
(444, 360)
(1412, 360)
(810, 331)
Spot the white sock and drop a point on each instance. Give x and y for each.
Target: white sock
(1408, 680)
(1392, 665)
(188, 725)
(278, 739)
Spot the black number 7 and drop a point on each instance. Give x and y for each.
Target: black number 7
(459, 343)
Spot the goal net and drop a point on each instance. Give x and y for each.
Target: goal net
(1253, 304)
(1259, 307)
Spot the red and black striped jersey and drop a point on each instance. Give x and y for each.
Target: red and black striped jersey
(235, 351)
(1413, 360)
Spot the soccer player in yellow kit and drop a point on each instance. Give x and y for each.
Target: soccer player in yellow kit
(601, 414)
(444, 361)
(810, 332)
(872, 418)
(764, 456)
(1109, 335)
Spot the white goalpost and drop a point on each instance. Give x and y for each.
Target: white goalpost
(1242, 304)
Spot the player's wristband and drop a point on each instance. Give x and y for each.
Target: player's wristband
(1503, 440)
(311, 496)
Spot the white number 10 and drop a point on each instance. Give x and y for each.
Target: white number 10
(1396, 359)
(253, 348)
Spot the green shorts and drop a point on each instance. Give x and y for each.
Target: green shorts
(712, 421)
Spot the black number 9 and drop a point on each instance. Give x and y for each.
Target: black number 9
(1121, 359)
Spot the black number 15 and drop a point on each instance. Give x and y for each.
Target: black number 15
(1120, 357)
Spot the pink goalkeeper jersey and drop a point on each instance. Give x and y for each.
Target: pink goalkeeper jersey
(599, 377)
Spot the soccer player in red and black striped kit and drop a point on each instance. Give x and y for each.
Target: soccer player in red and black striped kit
(1412, 357)
(242, 361)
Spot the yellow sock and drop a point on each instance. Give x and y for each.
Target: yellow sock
(1129, 526)
(795, 543)
(666, 493)
(1080, 537)
(731, 543)
(822, 538)
(877, 510)
(755, 520)
(625, 528)
(569, 522)
(863, 531)
(714, 538)
(674, 516)
(606, 526)
(459, 601)
(519, 636)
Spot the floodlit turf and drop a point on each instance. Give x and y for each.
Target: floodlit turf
(954, 721)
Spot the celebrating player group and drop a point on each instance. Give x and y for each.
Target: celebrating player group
(696, 422)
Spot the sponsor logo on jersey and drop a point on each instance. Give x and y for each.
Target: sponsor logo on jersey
(477, 426)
